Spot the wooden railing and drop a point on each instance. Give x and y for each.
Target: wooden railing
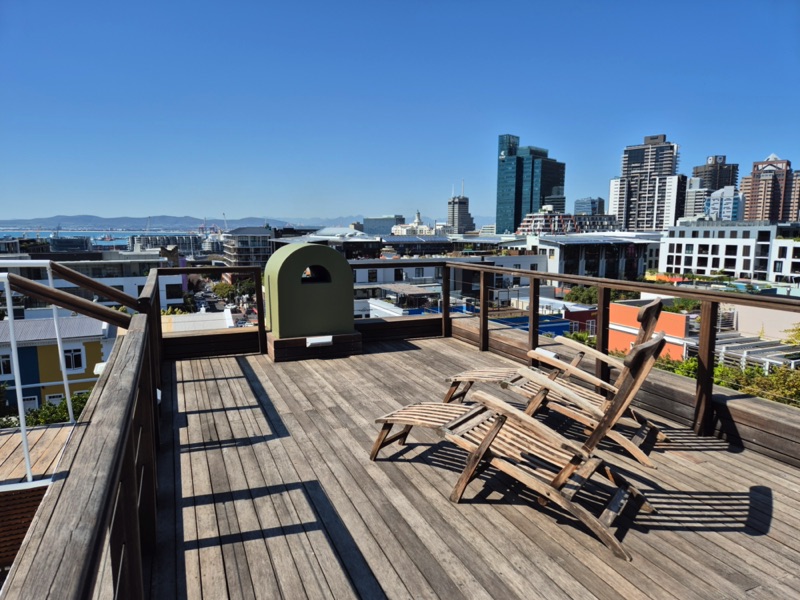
(98, 518)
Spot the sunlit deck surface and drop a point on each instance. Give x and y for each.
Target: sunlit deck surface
(46, 445)
(266, 490)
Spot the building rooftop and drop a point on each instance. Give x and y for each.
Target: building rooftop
(29, 331)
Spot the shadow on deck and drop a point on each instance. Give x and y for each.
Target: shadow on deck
(265, 489)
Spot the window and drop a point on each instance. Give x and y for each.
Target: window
(419, 272)
(695, 234)
(777, 265)
(54, 398)
(734, 235)
(372, 275)
(398, 274)
(689, 249)
(746, 251)
(591, 327)
(782, 251)
(73, 359)
(5, 366)
(30, 402)
(745, 235)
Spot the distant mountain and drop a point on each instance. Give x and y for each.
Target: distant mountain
(186, 223)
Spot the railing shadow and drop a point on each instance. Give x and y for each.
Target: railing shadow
(325, 532)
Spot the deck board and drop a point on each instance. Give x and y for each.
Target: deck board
(45, 444)
(274, 496)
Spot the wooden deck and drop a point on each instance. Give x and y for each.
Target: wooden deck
(266, 491)
(45, 444)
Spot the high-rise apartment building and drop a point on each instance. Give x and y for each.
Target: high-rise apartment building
(717, 173)
(526, 177)
(772, 191)
(649, 195)
(696, 196)
(458, 217)
(725, 205)
(590, 206)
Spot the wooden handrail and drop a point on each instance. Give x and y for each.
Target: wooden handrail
(96, 489)
(68, 301)
(106, 291)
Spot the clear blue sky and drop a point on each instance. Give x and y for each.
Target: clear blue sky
(325, 109)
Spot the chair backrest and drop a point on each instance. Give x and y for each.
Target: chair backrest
(638, 364)
(648, 319)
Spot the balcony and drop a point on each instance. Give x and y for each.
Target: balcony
(251, 478)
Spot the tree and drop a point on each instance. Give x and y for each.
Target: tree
(793, 336)
(582, 295)
(223, 290)
(588, 295)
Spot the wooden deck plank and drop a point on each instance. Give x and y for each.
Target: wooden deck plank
(295, 491)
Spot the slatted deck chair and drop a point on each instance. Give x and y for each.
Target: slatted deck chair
(647, 318)
(554, 467)
(525, 381)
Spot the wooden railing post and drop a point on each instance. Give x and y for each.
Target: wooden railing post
(483, 307)
(533, 314)
(703, 408)
(447, 326)
(603, 321)
(262, 314)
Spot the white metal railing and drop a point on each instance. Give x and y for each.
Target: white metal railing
(15, 357)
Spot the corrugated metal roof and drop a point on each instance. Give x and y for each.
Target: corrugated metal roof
(33, 330)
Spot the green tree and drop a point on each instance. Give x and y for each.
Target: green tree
(793, 335)
(223, 290)
(588, 295)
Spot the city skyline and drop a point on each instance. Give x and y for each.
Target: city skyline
(324, 111)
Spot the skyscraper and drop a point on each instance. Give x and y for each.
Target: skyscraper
(458, 217)
(526, 176)
(649, 195)
(716, 173)
(772, 191)
(696, 196)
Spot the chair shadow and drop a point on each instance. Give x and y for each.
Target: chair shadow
(749, 511)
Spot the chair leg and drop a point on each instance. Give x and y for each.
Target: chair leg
(622, 483)
(382, 440)
(595, 525)
(451, 394)
(631, 448)
(474, 460)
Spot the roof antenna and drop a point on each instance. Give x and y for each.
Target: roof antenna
(462, 188)
(453, 193)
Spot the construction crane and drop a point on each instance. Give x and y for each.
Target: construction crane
(225, 222)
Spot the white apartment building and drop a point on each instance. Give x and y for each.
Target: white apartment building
(755, 250)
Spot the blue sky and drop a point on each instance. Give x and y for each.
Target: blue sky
(326, 109)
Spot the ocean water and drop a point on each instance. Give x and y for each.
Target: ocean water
(117, 237)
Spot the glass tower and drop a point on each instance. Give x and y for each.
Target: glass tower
(525, 178)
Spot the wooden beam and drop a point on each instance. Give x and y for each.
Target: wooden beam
(483, 306)
(447, 326)
(601, 369)
(533, 315)
(68, 301)
(704, 407)
(103, 290)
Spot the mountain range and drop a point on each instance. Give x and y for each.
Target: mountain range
(186, 223)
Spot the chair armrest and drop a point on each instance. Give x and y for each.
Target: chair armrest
(567, 394)
(570, 370)
(612, 361)
(541, 431)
